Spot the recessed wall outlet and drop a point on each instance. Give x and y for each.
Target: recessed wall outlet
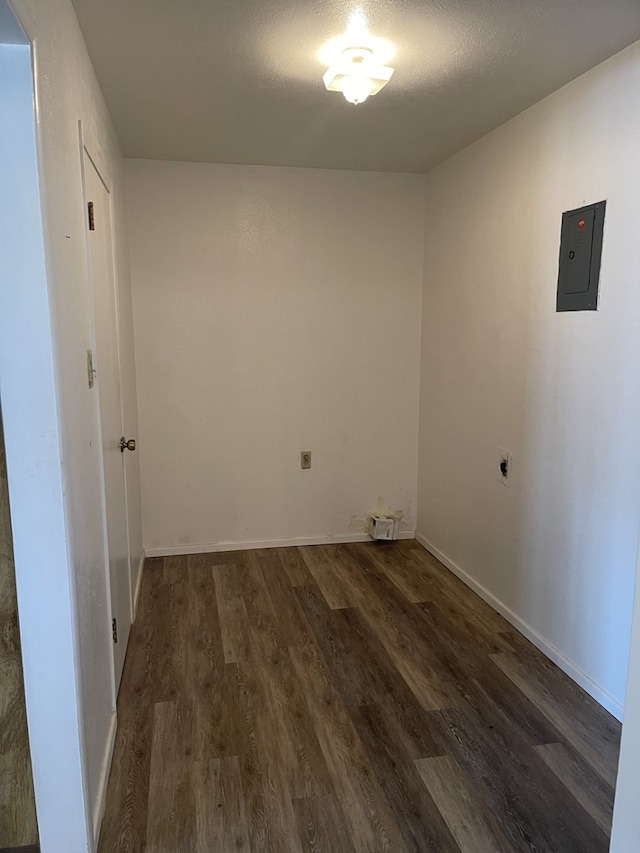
(305, 459)
(505, 466)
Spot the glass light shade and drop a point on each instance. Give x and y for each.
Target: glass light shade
(356, 61)
(356, 89)
(358, 79)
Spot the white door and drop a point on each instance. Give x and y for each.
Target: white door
(107, 379)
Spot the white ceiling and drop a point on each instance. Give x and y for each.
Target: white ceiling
(239, 81)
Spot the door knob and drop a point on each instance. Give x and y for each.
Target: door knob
(127, 445)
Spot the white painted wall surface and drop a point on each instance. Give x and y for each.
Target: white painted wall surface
(562, 391)
(626, 815)
(67, 92)
(275, 310)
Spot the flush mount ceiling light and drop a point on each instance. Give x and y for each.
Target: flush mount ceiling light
(357, 74)
(356, 62)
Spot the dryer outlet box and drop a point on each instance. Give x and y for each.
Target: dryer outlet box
(383, 528)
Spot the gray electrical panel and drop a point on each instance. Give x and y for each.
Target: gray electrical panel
(580, 253)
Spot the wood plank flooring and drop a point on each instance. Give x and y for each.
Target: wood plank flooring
(346, 699)
(18, 826)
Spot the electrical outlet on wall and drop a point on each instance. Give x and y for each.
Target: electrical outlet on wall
(305, 459)
(505, 466)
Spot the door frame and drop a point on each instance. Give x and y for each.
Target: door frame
(47, 605)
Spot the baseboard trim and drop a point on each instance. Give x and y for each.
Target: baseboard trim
(101, 799)
(212, 547)
(554, 654)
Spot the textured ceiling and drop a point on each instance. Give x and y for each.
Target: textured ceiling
(239, 81)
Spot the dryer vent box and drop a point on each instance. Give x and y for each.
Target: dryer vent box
(381, 527)
(580, 253)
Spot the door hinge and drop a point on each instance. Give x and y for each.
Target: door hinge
(114, 630)
(92, 223)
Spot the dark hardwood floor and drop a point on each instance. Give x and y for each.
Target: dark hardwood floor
(346, 698)
(18, 826)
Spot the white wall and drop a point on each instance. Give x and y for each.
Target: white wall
(626, 815)
(70, 586)
(275, 310)
(562, 391)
